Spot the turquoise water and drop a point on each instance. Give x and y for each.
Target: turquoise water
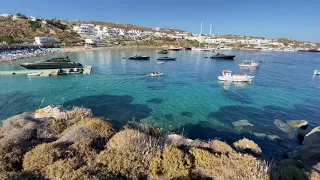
(188, 99)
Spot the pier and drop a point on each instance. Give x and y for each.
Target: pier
(45, 72)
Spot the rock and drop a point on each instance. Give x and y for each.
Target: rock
(241, 123)
(273, 137)
(177, 140)
(303, 124)
(50, 111)
(261, 135)
(301, 134)
(284, 127)
(317, 167)
(312, 137)
(309, 154)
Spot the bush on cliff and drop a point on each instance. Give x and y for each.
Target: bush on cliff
(236, 166)
(11, 155)
(221, 147)
(172, 163)
(247, 146)
(41, 156)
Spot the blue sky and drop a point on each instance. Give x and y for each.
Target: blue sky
(294, 19)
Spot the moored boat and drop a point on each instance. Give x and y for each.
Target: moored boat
(136, 57)
(223, 56)
(228, 76)
(160, 62)
(156, 74)
(249, 63)
(175, 48)
(34, 74)
(188, 48)
(316, 72)
(167, 58)
(163, 51)
(54, 63)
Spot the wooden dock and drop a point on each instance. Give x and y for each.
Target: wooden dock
(44, 72)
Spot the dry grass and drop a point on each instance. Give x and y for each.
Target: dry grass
(172, 163)
(233, 167)
(83, 150)
(21, 175)
(221, 147)
(88, 128)
(246, 145)
(41, 156)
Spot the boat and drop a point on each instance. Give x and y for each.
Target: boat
(163, 51)
(223, 56)
(160, 62)
(34, 74)
(316, 72)
(175, 48)
(136, 57)
(188, 48)
(156, 74)
(227, 76)
(167, 58)
(249, 63)
(54, 63)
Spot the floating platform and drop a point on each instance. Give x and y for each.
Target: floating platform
(45, 72)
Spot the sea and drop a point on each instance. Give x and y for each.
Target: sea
(188, 99)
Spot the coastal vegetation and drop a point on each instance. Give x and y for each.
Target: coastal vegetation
(53, 143)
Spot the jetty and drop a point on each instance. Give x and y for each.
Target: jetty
(46, 72)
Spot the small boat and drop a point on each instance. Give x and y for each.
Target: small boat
(167, 58)
(316, 72)
(156, 74)
(163, 51)
(160, 62)
(227, 76)
(54, 63)
(175, 48)
(249, 63)
(136, 57)
(188, 48)
(34, 74)
(222, 56)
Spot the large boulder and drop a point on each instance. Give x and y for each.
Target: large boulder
(303, 124)
(50, 111)
(285, 128)
(312, 137)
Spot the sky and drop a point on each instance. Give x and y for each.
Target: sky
(293, 19)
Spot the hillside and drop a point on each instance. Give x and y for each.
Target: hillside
(25, 30)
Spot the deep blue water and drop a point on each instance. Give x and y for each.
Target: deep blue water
(188, 99)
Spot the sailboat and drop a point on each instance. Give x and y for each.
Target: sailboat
(199, 48)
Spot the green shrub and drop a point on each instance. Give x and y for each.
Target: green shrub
(34, 25)
(42, 156)
(291, 172)
(172, 163)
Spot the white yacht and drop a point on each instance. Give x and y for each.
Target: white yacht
(228, 76)
(316, 72)
(249, 63)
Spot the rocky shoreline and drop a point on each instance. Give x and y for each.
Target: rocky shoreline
(53, 143)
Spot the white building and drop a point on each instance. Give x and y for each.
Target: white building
(94, 42)
(31, 18)
(6, 15)
(45, 40)
(85, 29)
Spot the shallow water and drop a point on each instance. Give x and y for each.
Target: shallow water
(188, 99)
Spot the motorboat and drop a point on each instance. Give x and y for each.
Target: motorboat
(316, 72)
(160, 62)
(188, 48)
(223, 56)
(202, 49)
(34, 74)
(167, 58)
(156, 74)
(54, 63)
(136, 57)
(175, 48)
(228, 76)
(163, 51)
(249, 63)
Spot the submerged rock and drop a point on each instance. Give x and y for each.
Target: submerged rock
(273, 137)
(260, 134)
(284, 127)
(241, 123)
(303, 124)
(312, 137)
(50, 111)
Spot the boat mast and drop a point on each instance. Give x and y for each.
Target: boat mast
(200, 35)
(210, 29)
